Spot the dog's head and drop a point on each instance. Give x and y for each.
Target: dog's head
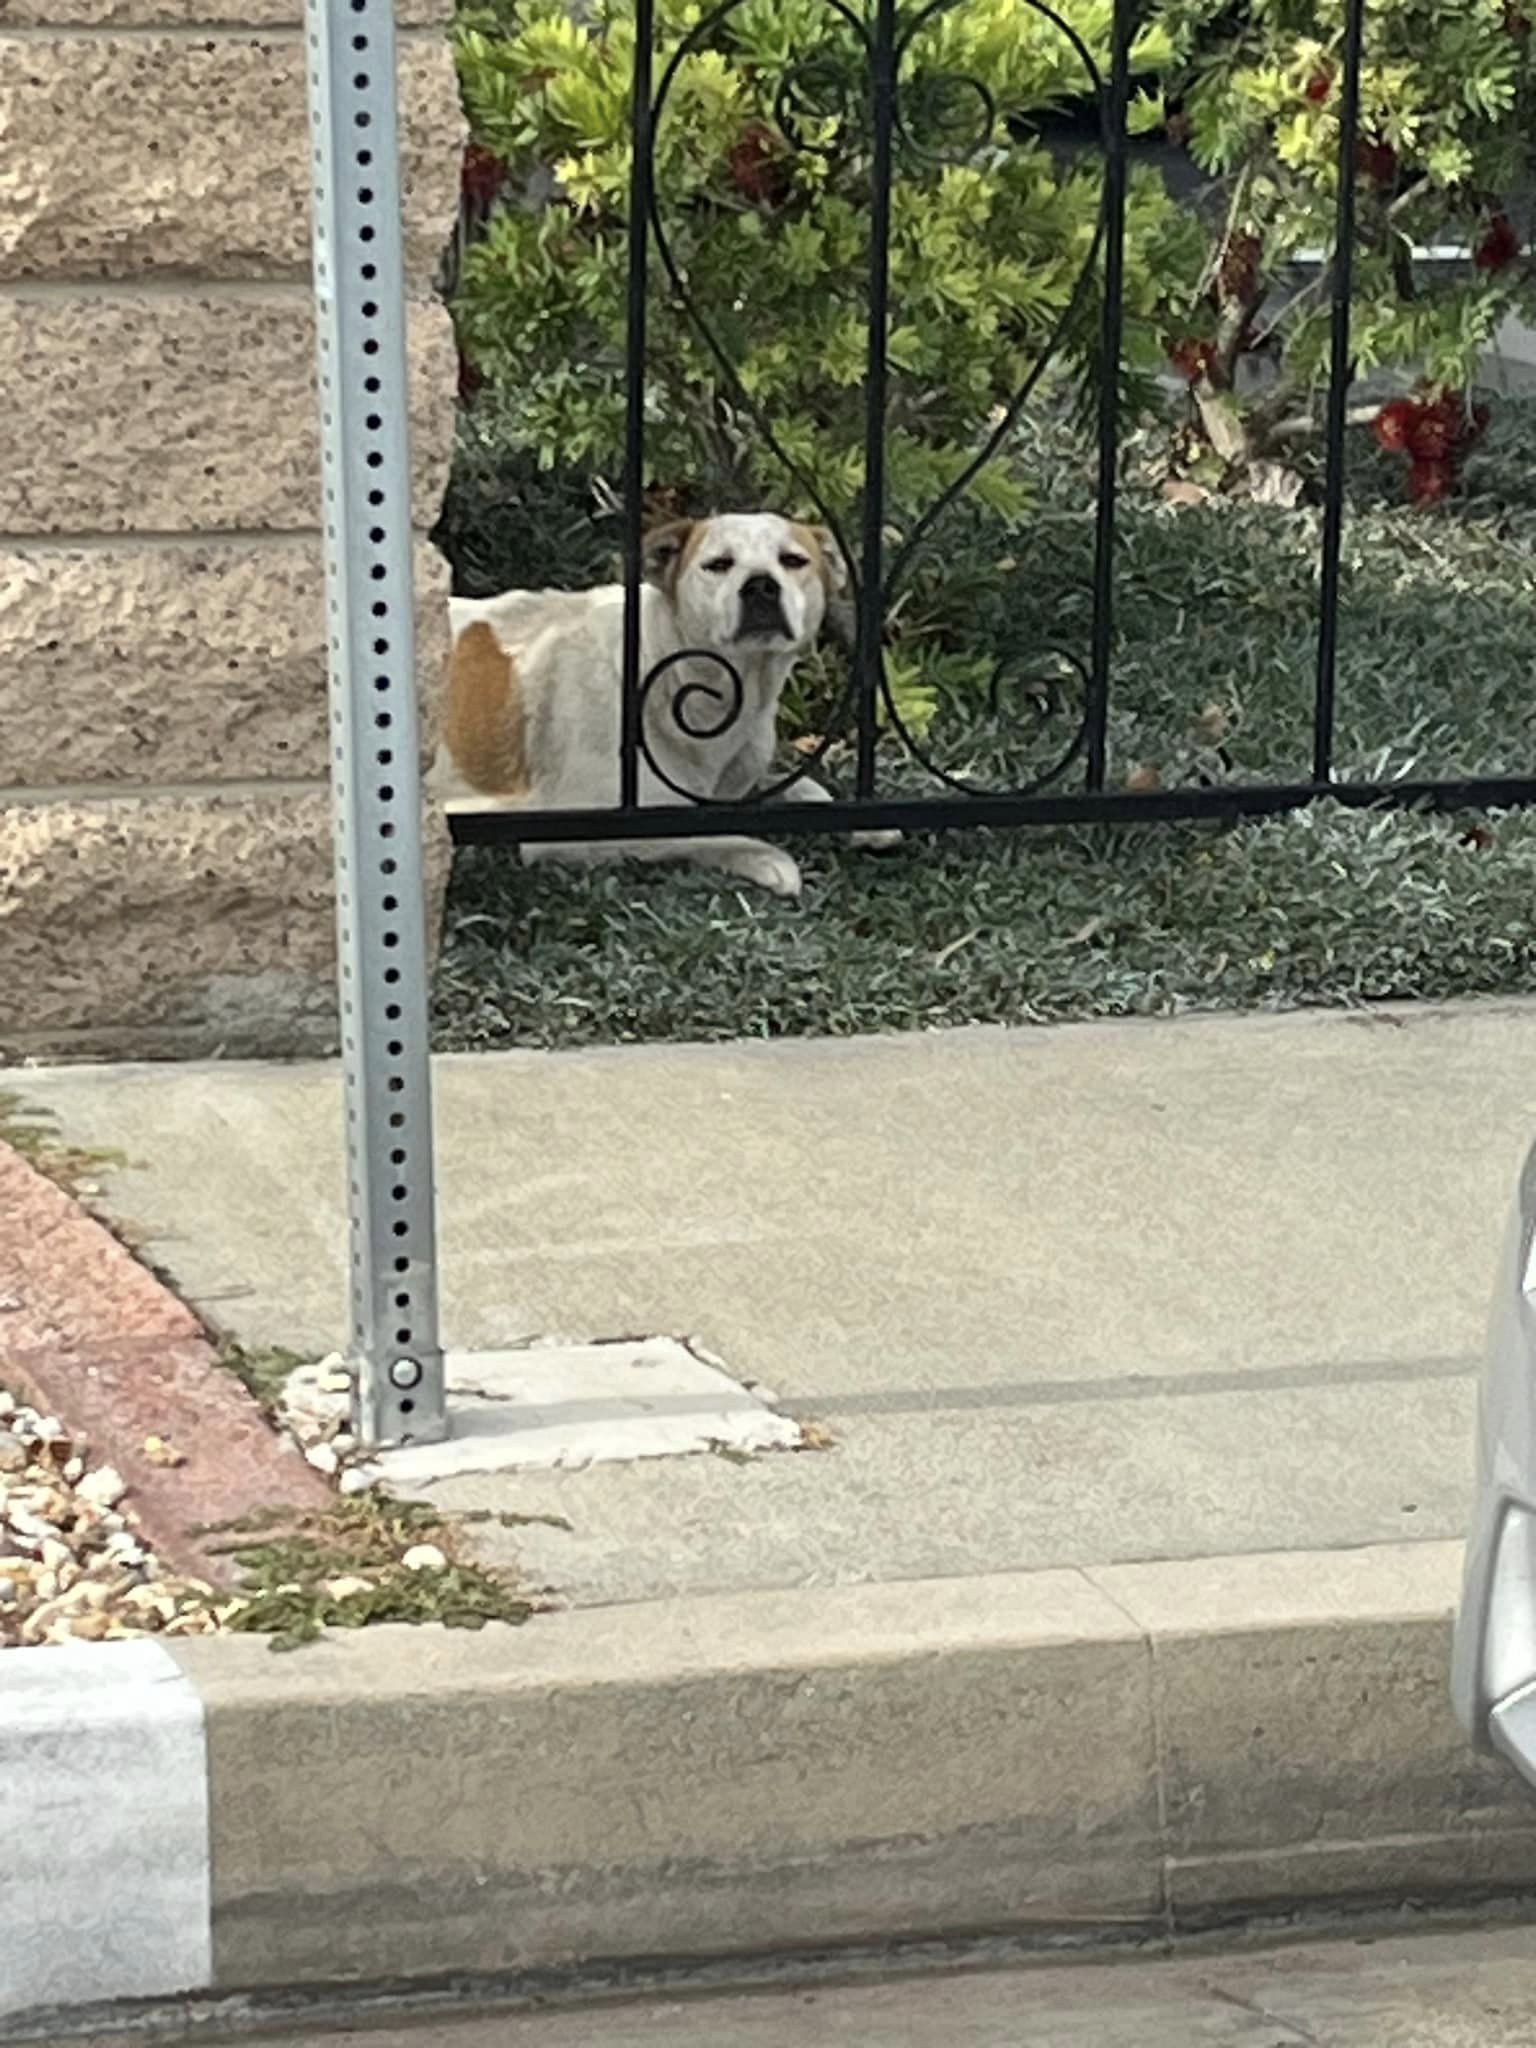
(747, 580)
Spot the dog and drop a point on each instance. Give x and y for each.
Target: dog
(533, 710)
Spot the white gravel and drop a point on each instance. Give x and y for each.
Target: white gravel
(314, 1407)
(73, 1564)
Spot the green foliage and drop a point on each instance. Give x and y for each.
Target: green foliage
(35, 1134)
(1448, 99)
(762, 173)
(262, 1369)
(506, 524)
(344, 1567)
(763, 178)
(1328, 908)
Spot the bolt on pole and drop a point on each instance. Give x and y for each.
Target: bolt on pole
(359, 293)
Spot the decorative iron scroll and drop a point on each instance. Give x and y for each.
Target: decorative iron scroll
(867, 93)
(861, 91)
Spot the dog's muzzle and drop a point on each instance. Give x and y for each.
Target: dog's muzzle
(762, 610)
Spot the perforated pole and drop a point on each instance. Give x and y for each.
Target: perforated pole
(359, 285)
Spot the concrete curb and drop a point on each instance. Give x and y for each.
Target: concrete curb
(1143, 1745)
(92, 1335)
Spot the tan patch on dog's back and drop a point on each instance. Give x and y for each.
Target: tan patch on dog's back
(485, 724)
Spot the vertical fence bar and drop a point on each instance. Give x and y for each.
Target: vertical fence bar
(884, 60)
(641, 176)
(359, 288)
(1338, 396)
(1111, 326)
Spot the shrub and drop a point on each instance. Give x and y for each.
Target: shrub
(762, 175)
(1448, 100)
(507, 524)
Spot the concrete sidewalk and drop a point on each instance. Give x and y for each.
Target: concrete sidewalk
(1095, 1295)
(1148, 1356)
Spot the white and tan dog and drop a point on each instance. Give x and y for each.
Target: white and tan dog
(534, 702)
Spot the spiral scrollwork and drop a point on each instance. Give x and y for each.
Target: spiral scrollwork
(1043, 686)
(817, 92)
(946, 117)
(685, 706)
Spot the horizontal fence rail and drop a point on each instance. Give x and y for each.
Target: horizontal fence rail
(935, 814)
(868, 741)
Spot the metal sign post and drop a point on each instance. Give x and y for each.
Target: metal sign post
(359, 288)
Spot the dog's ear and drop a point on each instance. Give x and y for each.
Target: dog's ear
(832, 566)
(834, 563)
(664, 549)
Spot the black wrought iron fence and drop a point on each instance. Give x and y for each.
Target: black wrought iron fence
(883, 772)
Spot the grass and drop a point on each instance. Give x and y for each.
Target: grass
(1217, 621)
(35, 1134)
(262, 1369)
(343, 1567)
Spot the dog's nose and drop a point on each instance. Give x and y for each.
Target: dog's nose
(762, 607)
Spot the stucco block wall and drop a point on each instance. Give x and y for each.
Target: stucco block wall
(165, 850)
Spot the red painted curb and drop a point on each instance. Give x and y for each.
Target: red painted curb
(90, 1335)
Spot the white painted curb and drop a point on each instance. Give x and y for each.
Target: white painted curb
(105, 1881)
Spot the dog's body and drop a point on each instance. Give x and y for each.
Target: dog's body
(535, 691)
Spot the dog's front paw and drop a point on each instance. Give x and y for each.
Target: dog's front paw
(769, 869)
(875, 842)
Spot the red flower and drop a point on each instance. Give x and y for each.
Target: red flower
(1429, 482)
(1377, 160)
(1239, 274)
(1433, 436)
(1436, 429)
(1319, 86)
(482, 175)
(1448, 423)
(1393, 425)
(1499, 246)
(760, 166)
(1194, 359)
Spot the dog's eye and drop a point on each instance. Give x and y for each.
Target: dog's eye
(794, 563)
(720, 566)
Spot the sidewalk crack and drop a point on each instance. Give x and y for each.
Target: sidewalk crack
(1294, 2028)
